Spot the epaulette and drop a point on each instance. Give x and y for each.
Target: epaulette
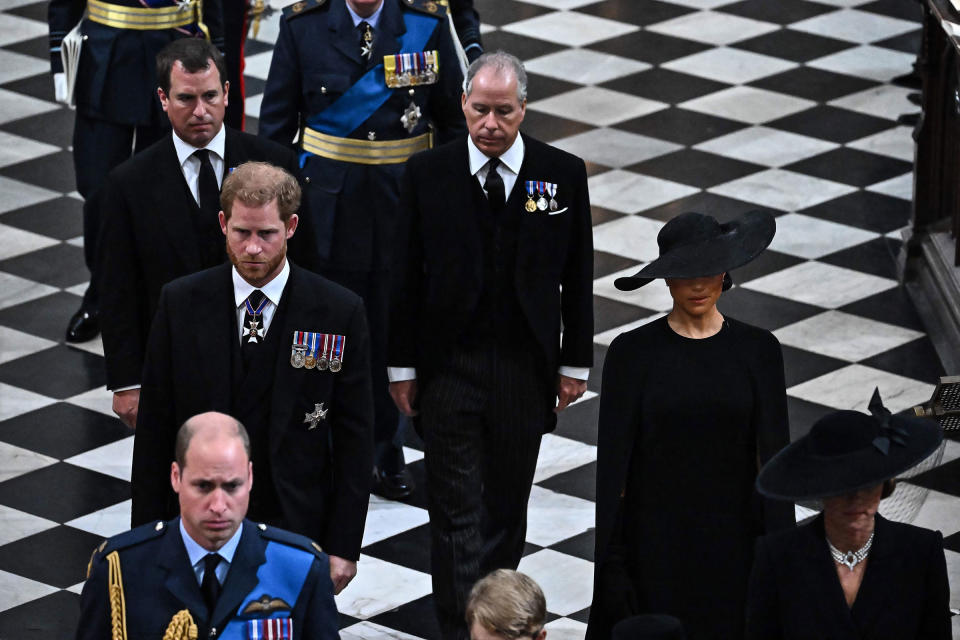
(290, 539)
(301, 7)
(436, 8)
(127, 539)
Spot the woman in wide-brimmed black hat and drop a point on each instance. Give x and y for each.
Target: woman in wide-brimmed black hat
(850, 573)
(689, 406)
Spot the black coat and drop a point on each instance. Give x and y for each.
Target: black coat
(158, 581)
(439, 268)
(321, 476)
(795, 592)
(148, 239)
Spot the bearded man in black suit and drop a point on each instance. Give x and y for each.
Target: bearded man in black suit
(495, 253)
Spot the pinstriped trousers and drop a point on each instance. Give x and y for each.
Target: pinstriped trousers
(482, 416)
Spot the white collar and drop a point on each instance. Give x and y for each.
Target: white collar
(184, 149)
(512, 157)
(373, 20)
(196, 553)
(273, 289)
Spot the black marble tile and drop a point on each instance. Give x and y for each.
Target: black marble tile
(802, 414)
(54, 172)
(418, 618)
(800, 365)
(892, 306)
(877, 257)
(796, 46)
(53, 127)
(68, 492)
(37, 47)
(579, 421)
(638, 13)
(36, 11)
(52, 617)
(606, 263)
(579, 546)
(252, 47)
(344, 621)
(56, 556)
(521, 46)
(813, 84)
(76, 372)
(60, 265)
(62, 430)
(917, 359)
(895, 9)
(648, 46)
(766, 263)
(763, 310)
(907, 42)
(664, 85)
(945, 478)
(681, 126)
(501, 12)
(251, 125)
(45, 317)
(594, 168)
(541, 87)
(548, 128)
(951, 542)
(39, 86)
(580, 482)
(865, 210)
(851, 166)
(780, 12)
(831, 123)
(696, 168)
(410, 549)
(720, 207)
(529, 549)
(599, 215)
(253, 86)
(581, 616)
(60, 218)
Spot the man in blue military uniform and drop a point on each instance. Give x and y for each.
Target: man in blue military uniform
(210, 572)
(117, 109)
(365, 84)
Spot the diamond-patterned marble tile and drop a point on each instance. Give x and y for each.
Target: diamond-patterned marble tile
(766, 146)
(567, 582)
(806, 237)
(821, 284)
(854, 25)
(845, 336)
(614, 148)
(572, 29)
(781, 189)
(866, 61)
(852, 386)
(584, 66)
(733, 66)
(712, 27)
(628, 192)
(747, 104)
(597, 106)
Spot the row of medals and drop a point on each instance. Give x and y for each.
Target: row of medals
(300, 360)
(541, 204)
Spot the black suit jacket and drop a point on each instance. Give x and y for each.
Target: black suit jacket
(439, 268)
(795, 593)
(148, 239)
(158, 581)
(322, 475)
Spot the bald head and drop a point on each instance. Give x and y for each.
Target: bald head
(209, 427)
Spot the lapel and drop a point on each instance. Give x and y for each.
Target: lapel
(234, 152)
(216, 322)
(387, 35)
(174, 219)
(817, 568)
(343, 35)
(242, 576)
(883, 571)
(181, 580)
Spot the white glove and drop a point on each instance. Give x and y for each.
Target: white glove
(60, 87)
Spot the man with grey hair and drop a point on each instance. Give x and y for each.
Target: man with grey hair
(494, 255)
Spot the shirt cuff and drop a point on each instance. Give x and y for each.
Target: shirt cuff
(128, 388)
(400, 374)
(580, 373)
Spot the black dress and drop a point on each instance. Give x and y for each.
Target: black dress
(684, 425)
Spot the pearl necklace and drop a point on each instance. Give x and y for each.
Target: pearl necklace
(851, 558)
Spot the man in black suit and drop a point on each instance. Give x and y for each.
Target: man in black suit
(160, 208)
(218, 343)
(495, 251)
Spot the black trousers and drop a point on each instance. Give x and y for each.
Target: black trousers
(482, 417)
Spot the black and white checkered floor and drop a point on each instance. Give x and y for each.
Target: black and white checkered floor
(683, 105)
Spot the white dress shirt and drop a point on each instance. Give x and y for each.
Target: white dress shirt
(190, 164)
(196, 553)
(273, 290)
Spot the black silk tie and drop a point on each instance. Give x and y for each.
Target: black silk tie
(494, 186)
(210, 586)
(208, 190)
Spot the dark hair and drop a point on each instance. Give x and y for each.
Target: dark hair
(194, 54)
(257, 184)
(189, 428)
(888, 488)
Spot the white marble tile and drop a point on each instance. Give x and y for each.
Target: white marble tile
(381, 586)
(77, 588)
(13, 4)
(15, 401)
(853, 25)
(552, 517)
(937, 511)
(15, 195)
(865, 61)
(559, 455)
(951, 451)
(258, 65)
(94, 345)
(17, 106)
(766, 146)
(701, 4)
(96, 400)
(631, 236)
(16, 461)
(894, 143)
(572, 29)
(565, 628)
(844, 336)
(809, 237)
(251, 105)
(14, 29)
(820, 284)
(15, 242)
(411, 455)
(852, 386)
(586, 397)
(802, 513)
(386, 518)
(560, 4)
(487, 28)
(16, 344)
(14, 149)
(367, 630)
(76, 242)
(14, 66)
(17, 525)
(844, 3)
(583, 66)
(608, 336)
(629, 192)
(899, 187)
(712, 27)
(15, 290)
(615, 148)
(597, 106)
(782, 189)
(77, 289)
(16, 590)
(112, 459)
(567, 582)
(953, 577)
(105, 522)
(748, 104)
(885, 101)
(654, 296)
(733, 66)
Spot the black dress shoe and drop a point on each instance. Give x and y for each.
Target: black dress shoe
(84, 325)
(392, 486)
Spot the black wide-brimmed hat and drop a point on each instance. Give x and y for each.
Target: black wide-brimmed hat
(693, 245)
(648, 627)
(846, 451)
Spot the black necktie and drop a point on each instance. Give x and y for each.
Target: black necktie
(494, 186)
(366, 39)
(208, 190)
(253, 331)
(210, 586)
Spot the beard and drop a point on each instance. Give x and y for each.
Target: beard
(261, 273)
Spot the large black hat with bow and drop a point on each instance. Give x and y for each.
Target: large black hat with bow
(846, 451)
